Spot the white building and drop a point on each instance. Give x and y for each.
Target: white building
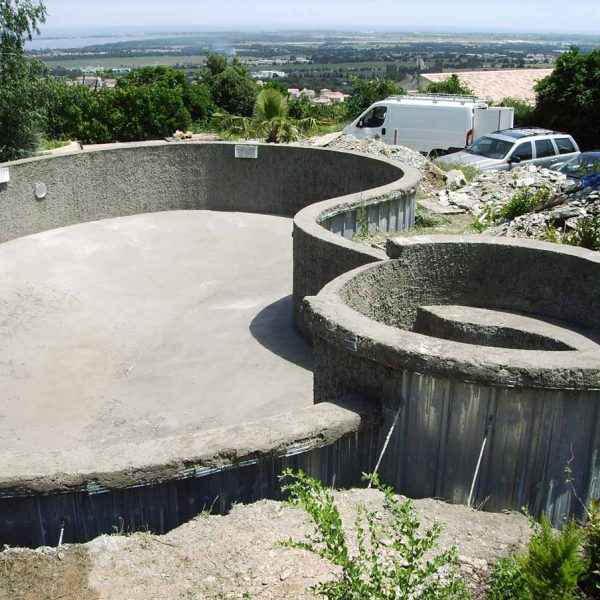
(267, 74)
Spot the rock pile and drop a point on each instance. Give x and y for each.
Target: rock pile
(563, 218)
(492, 189)
(449, 193)
(434, 178)
(568, 202)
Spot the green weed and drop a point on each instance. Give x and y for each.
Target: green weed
(394, 558)
(552, 569)
(586, 234)
(469, 171)
(522, 202)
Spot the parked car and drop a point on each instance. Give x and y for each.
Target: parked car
(432, 124)
(506, 148)
(582, 165)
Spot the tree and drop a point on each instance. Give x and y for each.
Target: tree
(70, 110)
(151, 75)
(569, 98)
(232, 89)
(148, 103)
(196, 96)
(303, 108)
(523, 111)
(19, 20)
(450, 85)
(215, 64)
(272, 120)
(276, 85)
(21, 79)
(364, 93)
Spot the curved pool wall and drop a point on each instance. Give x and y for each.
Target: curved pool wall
(179, 477)
(175, 479)
(342, 192)
(468, 343)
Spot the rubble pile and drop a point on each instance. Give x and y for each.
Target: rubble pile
(576, 206)
(450, 193)
(434, 178)
(490, 190)
(568, 203)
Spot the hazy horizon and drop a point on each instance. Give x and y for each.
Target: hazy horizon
(432, 16)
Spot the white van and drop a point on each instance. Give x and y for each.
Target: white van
(433, 124)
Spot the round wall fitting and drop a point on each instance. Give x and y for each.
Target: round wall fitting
(40, 191)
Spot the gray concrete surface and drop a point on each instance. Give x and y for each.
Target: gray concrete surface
(146, 327)
(379, 303)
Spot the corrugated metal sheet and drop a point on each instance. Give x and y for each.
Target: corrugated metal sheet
(388, 215)
(533, 436)
(37, 520)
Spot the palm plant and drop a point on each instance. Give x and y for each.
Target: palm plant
(270, 120)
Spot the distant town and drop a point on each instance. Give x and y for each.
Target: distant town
(317, 65)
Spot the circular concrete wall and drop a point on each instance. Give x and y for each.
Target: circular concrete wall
(472, 339)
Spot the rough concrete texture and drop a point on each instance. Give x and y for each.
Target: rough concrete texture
(137, 328)
(544, 281)
(123, 340)
(153, 176)
(485, 327)
(537, 408)
(321, 255)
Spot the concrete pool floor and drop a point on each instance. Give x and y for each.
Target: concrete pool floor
(147, 327)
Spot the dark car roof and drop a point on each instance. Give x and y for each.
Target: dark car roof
(521, 132)
(590, 154)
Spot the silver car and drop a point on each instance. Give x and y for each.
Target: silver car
(521, 146)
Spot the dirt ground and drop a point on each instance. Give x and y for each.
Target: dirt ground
(236, 556)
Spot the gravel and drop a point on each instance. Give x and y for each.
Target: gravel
(434, 178)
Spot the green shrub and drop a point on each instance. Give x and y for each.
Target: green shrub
(591, 544)
(365, 93)
(450, 85)
(522, 202)
(552, 569)
(586, 234)
(477, 226)
(22, 113)
(554, 565)
(524, 112)
(551, 234)
(569, 98)
(508, 581)
(394, 559)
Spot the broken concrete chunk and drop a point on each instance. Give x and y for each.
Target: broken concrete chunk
(455, 179)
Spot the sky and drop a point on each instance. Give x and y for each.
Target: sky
(552, 16)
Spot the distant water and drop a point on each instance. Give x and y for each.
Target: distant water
(58, 43)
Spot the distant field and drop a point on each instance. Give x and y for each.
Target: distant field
(328, 66)
(134, 61)
(152, 60)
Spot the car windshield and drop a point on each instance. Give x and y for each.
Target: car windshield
(584, 164)
(490, 147)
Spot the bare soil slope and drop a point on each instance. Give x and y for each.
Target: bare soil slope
(236, 556)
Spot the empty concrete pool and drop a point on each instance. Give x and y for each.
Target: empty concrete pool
(149, 367)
